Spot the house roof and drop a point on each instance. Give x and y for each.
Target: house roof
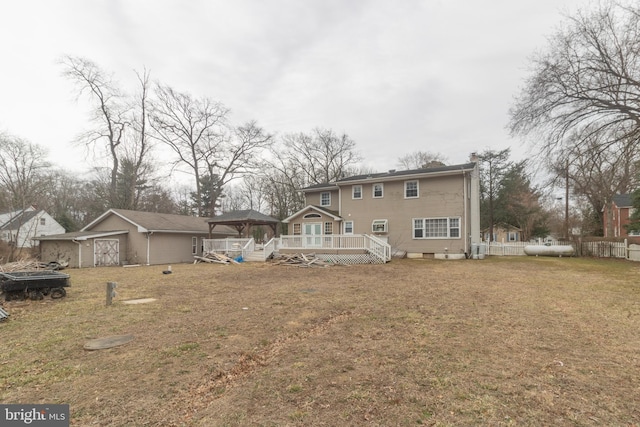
(19, 220)
(395, 175)
(503, 226)
(623, 200)
(81, 235)
(248, 215)
(320, 209)
(160, 222)
(392, 174)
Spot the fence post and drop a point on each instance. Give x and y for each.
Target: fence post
(111, 293)
(626, 249)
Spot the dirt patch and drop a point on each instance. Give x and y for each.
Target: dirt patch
(518, 341)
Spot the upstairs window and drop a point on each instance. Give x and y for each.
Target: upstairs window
(296, 229)
(325, 199)
(43, 221)
(356, 192)
(411, 189)
(378, 191)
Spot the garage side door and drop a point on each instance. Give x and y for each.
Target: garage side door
(107, 252)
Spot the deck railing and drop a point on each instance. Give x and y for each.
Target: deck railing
(371, 244)
(230, 246)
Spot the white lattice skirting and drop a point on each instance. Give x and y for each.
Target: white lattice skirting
(350, 258)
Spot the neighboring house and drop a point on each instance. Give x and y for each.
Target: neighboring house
(621, 210)
(503, 233)
(21, 226)
(119, 237)
(422, 212)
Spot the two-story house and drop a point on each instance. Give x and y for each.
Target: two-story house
(621, 211)
(429, 212)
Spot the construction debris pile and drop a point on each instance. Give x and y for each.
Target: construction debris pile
(215, 258)
(29, 265)
(302, 260)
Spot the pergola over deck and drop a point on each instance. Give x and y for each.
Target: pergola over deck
(243, 221)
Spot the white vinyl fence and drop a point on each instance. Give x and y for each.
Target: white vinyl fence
(599, 249)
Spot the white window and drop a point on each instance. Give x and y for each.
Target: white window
(328, 228)
(312, 215)
(348, 227)
(378, 191)
(436, 228)
(325, 199)
(43, 221)
(512, 236)
(356, 192)
(194, 245)
(379, 226)
(410, 189)
(296, 229)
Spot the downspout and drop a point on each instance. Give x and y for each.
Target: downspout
(149, 247)
(466, 217)
(79, 252)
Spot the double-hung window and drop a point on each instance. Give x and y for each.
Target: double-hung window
(325, 199)
(436, 228)
(378, 191)
(356, 192)
(348, 227)
(410, 189)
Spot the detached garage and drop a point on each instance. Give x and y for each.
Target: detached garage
(84, 248)
(120, 237)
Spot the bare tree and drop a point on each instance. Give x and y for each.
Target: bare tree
(596, 173)
(421, 159)
(22, 171)
(192, 128)
(322, 156)
(22, 175)
(237, 156)
(587, 82)
(136, 169)
(110, 111)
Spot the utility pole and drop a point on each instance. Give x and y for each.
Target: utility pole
(566, 201)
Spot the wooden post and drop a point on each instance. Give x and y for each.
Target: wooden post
(111, 293)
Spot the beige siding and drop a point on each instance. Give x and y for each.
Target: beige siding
(173, 248)
(314, 199)
(299, 219)
(135, 250)
(439, 197)
(59, 250)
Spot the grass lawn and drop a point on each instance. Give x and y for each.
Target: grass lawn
(503, 341)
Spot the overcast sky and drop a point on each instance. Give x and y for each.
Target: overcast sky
(397, 77)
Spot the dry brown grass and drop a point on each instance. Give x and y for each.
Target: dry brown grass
(518, 341)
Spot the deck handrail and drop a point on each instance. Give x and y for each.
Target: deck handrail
(378, 248)
(248, 248)
(269, 248)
